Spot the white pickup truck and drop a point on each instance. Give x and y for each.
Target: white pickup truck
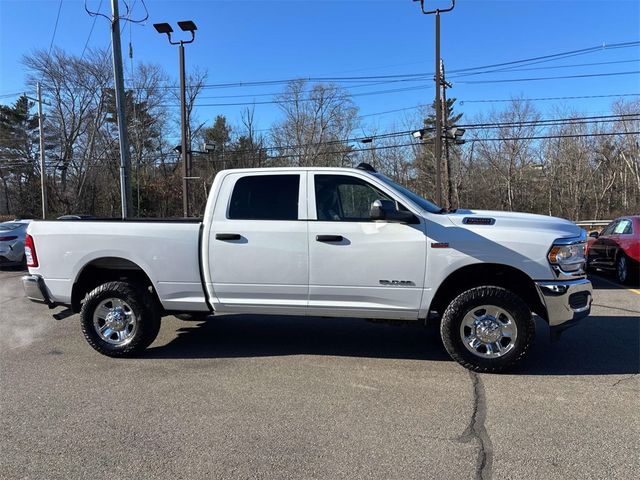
(336, 242)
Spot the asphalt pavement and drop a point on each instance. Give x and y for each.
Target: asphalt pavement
(255, 397)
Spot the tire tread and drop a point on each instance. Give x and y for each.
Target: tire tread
(140, 300)
(449, 329)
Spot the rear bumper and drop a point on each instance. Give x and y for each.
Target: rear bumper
(567, 301)
(35, 289)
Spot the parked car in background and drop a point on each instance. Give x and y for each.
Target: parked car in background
(12, 235)
(617, 249)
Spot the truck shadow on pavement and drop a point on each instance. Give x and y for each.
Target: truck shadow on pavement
(601, 345)
(229, 336)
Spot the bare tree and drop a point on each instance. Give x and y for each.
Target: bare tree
(318, 120)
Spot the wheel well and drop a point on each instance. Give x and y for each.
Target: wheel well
(493, 274)
(108, 269)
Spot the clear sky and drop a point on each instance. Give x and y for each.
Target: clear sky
(268, 39)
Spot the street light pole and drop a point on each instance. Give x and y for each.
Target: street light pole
(183, 134)
(438, 110)
(165, 28)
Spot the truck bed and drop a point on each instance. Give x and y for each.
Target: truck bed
(166, 249)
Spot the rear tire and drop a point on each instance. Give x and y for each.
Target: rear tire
(487, 329)
(120, 319)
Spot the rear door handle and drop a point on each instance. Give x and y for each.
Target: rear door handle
(228, 236)
(329, 238)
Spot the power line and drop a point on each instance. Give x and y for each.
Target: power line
(515, 99)
(574, 97)
(55, 28)
(379, 79)
(401, 77)
(553, 56)
(404, 89)
(412, 79)
(565, 121)
(548, 67)
(541, 137)
(531, 79)
(351, 150)
(555, 120)
(541, 122)
(414, 144)
(93, 24)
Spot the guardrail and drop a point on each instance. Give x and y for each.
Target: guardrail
(590, 225)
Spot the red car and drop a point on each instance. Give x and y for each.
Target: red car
(617, 248)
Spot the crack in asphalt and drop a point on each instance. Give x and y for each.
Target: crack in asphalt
(477, 432)
(624, 379)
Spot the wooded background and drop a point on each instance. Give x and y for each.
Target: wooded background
(569, 165)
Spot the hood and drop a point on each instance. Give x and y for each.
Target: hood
(527, 222)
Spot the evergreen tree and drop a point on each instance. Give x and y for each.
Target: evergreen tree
(19, 151)
(425, 160)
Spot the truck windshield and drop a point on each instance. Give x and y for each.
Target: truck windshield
(415, 198)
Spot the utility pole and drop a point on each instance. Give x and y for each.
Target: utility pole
(438, 139)
(118, 78)
(445, 127)
(451, 134)
(438, 79)
(43, 173)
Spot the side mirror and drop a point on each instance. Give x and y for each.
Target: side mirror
(594, 234)
(386, 210)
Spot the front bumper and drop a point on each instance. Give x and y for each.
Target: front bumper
(566, 301)
(35, 289)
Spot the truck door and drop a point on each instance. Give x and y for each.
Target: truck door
(357, 266)
(257, 245)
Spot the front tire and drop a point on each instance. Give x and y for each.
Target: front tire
(487, 329)
(622, 269)
(119, 319)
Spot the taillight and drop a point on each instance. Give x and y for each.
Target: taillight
(6, 239)
(30, 252)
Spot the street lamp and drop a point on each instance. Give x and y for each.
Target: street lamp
(455, 133)
(166, 29)
(418, 134)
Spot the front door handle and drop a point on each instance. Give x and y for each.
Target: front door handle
(329, 238)
(228, 236)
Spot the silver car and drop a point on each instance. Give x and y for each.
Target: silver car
(12, 235)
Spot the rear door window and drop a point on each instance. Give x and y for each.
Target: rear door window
(265, 197)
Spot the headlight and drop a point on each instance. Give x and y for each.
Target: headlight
(569, 258)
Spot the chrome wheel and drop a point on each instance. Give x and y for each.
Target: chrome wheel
(115, 322)
(488, 331)
(622, 269)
